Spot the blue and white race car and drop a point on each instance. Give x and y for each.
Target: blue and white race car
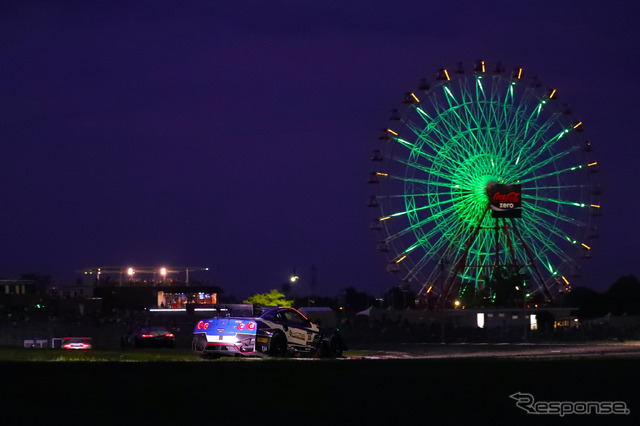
(277, 332)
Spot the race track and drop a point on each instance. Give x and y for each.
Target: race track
(504, 350)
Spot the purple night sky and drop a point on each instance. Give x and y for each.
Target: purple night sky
(237, 135)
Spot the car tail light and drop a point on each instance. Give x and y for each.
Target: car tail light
(80, 346)
(251, 326)
(168, 335)
(241, 326)
(206, 325)
(147, 335)
(200, 325)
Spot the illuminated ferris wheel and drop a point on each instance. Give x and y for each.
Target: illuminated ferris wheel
(445, 154)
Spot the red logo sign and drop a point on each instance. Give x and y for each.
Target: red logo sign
(511, 197)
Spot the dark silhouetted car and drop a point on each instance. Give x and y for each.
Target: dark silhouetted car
(277, 332)
(149, 337)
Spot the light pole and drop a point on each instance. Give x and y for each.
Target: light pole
(187, 269)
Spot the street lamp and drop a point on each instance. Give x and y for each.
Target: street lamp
(293, 278)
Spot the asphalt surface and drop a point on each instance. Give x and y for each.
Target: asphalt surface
(505, 350)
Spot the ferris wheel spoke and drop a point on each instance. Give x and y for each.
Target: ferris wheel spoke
(563, 188)
(539, 253)
(554, 173)
(427, 257)
(469, 104)
(543, 245)
(550, 160)
(408, 211)
(445, 177)
(430, 128)
(427, 183)
(414, 164)
(546, 142)
(549, 230)
(449, 128)
(410, 229)
(539, 130)
(556, 201)
(537, 111)
(513, 120)
(430, 142)
(430, 250)
(543, 212)
(536, 161)
(407, 195)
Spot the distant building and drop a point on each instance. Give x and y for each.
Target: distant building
(130, 275)
(23, 292)
(490, 318)
(138, 288)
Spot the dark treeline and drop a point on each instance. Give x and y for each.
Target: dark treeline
(621, 298)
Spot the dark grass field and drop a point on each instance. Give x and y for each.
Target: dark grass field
(332, 392)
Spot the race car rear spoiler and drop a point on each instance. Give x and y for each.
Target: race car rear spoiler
(224, 310)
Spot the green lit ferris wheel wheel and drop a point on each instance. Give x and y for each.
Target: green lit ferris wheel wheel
(445, 150)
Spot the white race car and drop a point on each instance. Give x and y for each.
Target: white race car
(278, 332)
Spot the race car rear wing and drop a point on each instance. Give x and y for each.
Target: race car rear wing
(224, 310)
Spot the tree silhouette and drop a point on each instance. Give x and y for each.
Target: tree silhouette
(590, 303)
(623, 297)
(354, 300)
(400, 297)
(272, 298)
